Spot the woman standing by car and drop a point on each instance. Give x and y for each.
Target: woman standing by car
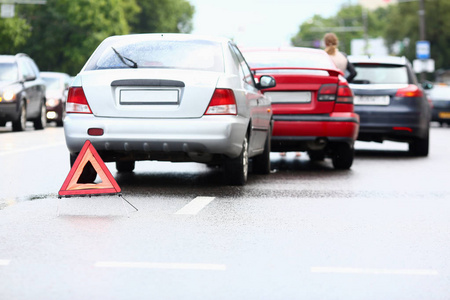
(340, 59)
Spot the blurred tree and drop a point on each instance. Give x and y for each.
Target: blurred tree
(64, 33)
(403, 23)
(163, 16)
(348, 24)
(14, 33)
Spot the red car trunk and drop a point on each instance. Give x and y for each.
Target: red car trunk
(306, 86)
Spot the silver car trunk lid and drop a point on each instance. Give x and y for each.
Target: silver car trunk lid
(149, 93)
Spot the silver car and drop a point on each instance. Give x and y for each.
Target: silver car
(170, 97)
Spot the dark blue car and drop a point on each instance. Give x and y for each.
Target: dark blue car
(390, 102)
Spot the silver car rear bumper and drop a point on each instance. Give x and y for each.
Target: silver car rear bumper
(206, 135)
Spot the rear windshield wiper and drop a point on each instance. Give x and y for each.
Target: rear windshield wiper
(125, 59)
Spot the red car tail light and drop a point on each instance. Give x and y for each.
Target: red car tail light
(327, 92)
(77, 102)
(222, 102)
(345, 94)
(410, 91)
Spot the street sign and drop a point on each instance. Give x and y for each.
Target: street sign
(7, 11)
(423, 65)
(422, 49)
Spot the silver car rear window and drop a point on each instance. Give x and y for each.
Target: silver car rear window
(190, 55)
(380, 74)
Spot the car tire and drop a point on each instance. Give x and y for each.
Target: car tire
(88, 174)
(342, 156)
(236, 169)
(125, 166)
(420, 146)
(41, 121)
(60, 123)
(261, 163)
(21, 122)
(316, 155)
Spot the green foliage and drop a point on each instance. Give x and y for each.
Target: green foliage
(66, 32)
(61, 35)
(395, 23)
(163, 16)
(403, 23)
(14, 33)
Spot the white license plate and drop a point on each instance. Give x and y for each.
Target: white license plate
(148, 96)
(371, 100)
(289, 97)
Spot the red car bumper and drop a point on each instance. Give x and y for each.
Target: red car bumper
(334, 125)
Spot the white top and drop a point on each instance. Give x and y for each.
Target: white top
(339, 60)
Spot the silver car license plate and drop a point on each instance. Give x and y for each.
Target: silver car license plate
(371, 100)
(148, 96)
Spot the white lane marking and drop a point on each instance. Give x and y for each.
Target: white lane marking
(196, 205)
(421, 272)
(30, 149)
(167, 266)
(4, 262)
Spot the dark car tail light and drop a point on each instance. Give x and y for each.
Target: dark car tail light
(327, 92)
(77, 102)
(222, 102)
(345, 94)
(411, 91)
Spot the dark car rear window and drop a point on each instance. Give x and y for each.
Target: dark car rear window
(8, 71)
(380, 74)
(190, 54)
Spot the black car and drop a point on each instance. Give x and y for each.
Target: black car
(56, 93)
(439, 95)
(390, 102)
(22, 92)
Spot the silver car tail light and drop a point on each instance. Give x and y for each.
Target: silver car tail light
(77, 102)
(222, 102)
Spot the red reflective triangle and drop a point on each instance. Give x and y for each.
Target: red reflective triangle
(108, 185)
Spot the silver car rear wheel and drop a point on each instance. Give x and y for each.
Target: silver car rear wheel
(236, 169)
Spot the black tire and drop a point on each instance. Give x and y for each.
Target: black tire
(125, 166)
(41, 121)
(342, 156)
(236, 169)
(420, 147)
(88, 175)
(316, 155)
(261, 163)
(21, 122)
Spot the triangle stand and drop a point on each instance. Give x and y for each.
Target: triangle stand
(108, 185)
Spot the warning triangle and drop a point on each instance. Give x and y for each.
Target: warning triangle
(71, 186)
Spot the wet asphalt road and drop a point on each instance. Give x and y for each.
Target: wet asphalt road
(306, 231)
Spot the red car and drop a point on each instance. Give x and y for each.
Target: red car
(312, 103)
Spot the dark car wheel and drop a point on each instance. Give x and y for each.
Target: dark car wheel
(236, 169)
(419, 147)
(125, 166)
(88, 174)
(21, 122)
(342, 156)
(261, 163)
(316, 155)
(41, 121)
